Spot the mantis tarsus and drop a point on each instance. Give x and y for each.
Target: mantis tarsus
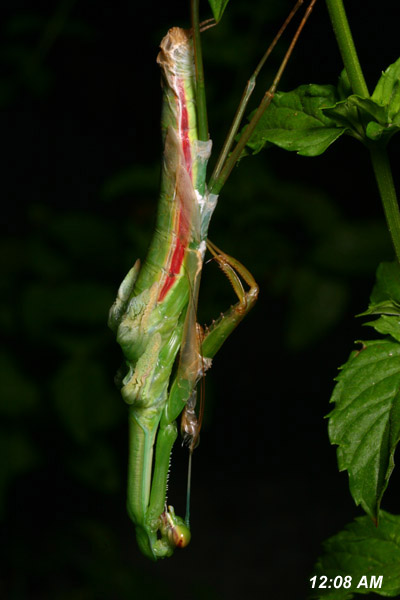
(154, 315)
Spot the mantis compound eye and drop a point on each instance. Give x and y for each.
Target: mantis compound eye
(179, 535)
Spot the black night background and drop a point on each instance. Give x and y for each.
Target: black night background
(80, 110)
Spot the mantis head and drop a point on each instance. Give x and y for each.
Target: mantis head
(176, 530)
(172, 533)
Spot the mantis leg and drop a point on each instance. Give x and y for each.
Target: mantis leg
(159, 530)
(220, 330)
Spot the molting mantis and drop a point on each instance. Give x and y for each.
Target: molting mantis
(154, 314)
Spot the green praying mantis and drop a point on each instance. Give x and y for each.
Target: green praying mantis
(154, 315)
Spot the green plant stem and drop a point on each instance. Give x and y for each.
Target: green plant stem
(383, 174)
(347, 48)
(379, 157)
(202, 124)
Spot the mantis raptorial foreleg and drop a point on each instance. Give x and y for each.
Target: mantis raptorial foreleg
(234, 270)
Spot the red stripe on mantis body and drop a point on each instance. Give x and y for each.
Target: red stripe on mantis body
(176, 260)
(184, 126)
(184, 195)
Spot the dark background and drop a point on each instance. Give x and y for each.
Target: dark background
(80, 99)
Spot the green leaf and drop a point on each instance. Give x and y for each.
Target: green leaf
(365, 553)
(387, 325)
(345, 114)
(375, 131)
(387, 286)
(383, 107)
(385, 296)
(382, 126)
(387, 91)
(356, 113)
(365, 422)
(386, 307)
(369, 107)
(378, 116)
(218, 8)
(296, 121)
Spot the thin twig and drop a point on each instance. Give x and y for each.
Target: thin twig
(202, 123)
(247, 92)
(216, 185)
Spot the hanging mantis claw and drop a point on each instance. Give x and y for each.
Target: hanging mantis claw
(222, 327)
(232, 268)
